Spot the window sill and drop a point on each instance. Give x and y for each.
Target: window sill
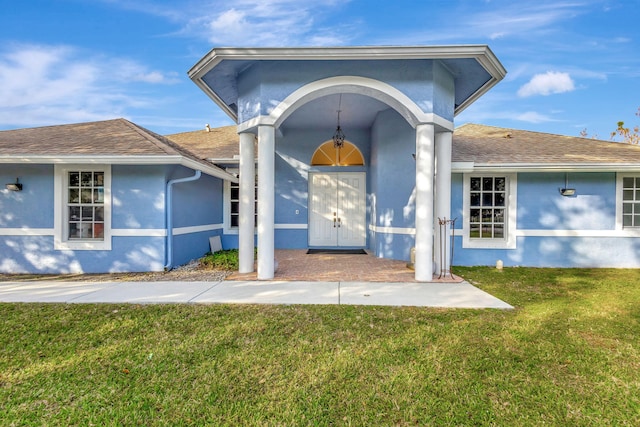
(488, 244)
(84, 245)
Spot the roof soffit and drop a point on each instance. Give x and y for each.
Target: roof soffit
(475, 67)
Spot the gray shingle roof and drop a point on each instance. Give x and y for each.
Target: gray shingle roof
(109, 138)
(490, 145)
(217, 143)
(483, 145)
(117, 138)
(480, 144)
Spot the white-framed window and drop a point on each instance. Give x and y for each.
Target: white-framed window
(489, 211)
(232, 204)
(82, 207)
(629, 193)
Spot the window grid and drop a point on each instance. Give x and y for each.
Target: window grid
(631, 202)
(234, 204)
(85, 205)
(487, 207)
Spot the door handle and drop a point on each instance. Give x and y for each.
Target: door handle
(339, 222)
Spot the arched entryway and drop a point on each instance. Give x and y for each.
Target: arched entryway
(311, 107)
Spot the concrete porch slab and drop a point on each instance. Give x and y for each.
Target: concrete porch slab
(458, 295)
(49, 292)
(271, 292)
(148, 292)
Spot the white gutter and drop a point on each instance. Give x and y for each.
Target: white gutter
(211, 170)
(169, 215)
(544, 167)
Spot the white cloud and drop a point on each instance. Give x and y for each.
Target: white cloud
(546, 84)
(533, 117)
(55, 84)
(266, 23)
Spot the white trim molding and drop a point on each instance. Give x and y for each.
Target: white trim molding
(392, 230)
(376, 89)
(138, 232)
(93, 161)
(26, 231)
(579, 233)
(291, 226)
(619, 202)
(568, 233)
(196, 229)
(509, 241)
(61, 224)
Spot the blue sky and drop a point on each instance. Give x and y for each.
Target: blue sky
(571, 64)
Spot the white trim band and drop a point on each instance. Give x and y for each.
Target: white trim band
(138, 232)
(121, 232)
(25, 231)
(291, 226)
(392, 230)
(196, 229)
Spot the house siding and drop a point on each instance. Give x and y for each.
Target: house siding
(197, 205)
(138, 221)
(32, 206)
(392, 185)
(557, 231)
(265, 84)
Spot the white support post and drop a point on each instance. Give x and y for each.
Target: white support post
(443, 200)
(425, 168)
(266, 201)
(246, 226)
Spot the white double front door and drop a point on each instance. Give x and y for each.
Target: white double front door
(337, 209)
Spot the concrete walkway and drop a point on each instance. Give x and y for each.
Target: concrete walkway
(452, 295)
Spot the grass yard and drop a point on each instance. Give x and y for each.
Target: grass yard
(568, 355)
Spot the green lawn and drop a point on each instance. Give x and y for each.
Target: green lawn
(569, 354)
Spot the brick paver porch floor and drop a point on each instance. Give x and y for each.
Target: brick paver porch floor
(297, 265)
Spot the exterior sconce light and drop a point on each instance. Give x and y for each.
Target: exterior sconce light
(15, 186)
(566, 191)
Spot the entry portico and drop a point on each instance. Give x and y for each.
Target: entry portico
(395, 104)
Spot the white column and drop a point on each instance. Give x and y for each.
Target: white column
(443, 200)
(425, 167)
(246, 226)
(266, 201)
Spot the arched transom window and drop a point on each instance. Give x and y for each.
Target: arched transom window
(328, 155)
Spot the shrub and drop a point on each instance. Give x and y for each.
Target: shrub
(223, 260)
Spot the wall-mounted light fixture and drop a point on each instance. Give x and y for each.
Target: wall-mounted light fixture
(14, 186)
(566, 191)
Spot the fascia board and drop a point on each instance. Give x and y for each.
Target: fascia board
(209, 170)
(544, 167)
(482, 53)
(215, 56)
(122, 160)
(215, 98)
(114, 160)
(492, 65)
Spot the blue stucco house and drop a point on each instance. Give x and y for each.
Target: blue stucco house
(347, 148)
(103, 197)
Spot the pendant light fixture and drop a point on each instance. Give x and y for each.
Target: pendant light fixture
(338, 136)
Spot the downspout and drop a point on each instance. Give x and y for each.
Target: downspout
(169, 215)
